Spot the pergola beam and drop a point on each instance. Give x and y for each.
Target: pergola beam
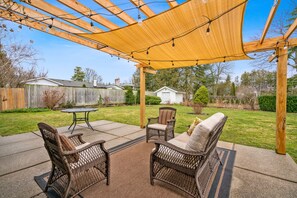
(143, 7)
(75, 5)
(111, 7)
(142, 96)
(172, 3)
(41, 17)
(291, 29)
(269, 20)
(55, 11)
(268, 44)
(281, 99)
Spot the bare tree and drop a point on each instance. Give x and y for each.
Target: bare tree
(18, 61)
(218, 72)
(91, 75)
(279, 27)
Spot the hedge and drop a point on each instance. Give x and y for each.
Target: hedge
(268, 103)
(152, 100)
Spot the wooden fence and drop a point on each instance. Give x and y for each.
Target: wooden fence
(79, 96)
(12, 98)
(32, 96)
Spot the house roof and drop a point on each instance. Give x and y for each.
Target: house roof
(171, 89)
(65, 83)
(70, 83)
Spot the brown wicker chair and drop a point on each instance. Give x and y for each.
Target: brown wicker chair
(162, 125)
(68, 176)
(189, 171)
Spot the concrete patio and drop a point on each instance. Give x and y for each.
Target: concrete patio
(256, 172)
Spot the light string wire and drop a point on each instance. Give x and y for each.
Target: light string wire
(84, 14)
(187, 32)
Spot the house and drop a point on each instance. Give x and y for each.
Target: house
(65, 83)
(169, 95)
(58, 82)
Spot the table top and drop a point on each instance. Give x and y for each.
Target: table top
(77, 110)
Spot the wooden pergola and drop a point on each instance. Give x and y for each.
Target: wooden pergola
(46, 17)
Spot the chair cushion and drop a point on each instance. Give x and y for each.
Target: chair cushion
(193, 125)
(165, 115)
(184, 137)
(178, 143)
(201, 133)
(67, 145)
(161, 127)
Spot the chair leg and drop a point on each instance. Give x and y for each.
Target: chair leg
(221, 163)
(147, 131)
(49, 181)
(107, 170)
(68, 186)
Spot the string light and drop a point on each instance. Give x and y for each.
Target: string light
(51, 25)
(147, 51)
(196, 62)
(91, 23)
(149, 62)
(173, 44)
(172, 63)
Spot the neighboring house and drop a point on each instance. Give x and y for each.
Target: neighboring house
(114, 87)
(62, 83)
(169, 95)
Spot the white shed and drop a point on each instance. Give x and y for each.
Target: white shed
(169, 95)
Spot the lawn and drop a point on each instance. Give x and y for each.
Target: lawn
(252, 128)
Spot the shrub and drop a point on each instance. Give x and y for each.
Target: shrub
(152, 100)
(51, 98)
(201, 96)
(129, 97)
(268, 103)
(68, 104)
(138, 97)
(100, 100)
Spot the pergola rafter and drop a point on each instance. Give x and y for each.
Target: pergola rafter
(57, 12)
(58, 28)
(42, 17)
(291, 29)
(84, 10)
(269, 20)
(143, 7)
(172, 3)
(108, 5)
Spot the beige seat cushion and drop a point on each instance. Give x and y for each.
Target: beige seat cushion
(200, 135)
(178, 143)
(67, 145)
(184, 137)
(161, 127)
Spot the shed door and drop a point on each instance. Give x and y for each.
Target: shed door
(166, 97)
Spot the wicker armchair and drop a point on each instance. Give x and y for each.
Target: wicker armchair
(75, 170)
(162, 125)
(187, 170)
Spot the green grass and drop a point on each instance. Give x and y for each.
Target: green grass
(252, 128)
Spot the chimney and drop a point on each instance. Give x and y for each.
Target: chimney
(95, 83)
(117, 81)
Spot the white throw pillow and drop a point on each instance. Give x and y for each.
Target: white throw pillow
(200, 135)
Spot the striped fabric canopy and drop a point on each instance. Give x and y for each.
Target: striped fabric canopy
(193, 33)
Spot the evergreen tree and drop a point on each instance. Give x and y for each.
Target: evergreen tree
(78, 75)
(129, 97)
(233, 89)
(201, 96)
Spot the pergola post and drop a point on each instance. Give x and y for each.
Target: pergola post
(281, 100)
(142, 96)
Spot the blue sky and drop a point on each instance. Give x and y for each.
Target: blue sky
(59, 57)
